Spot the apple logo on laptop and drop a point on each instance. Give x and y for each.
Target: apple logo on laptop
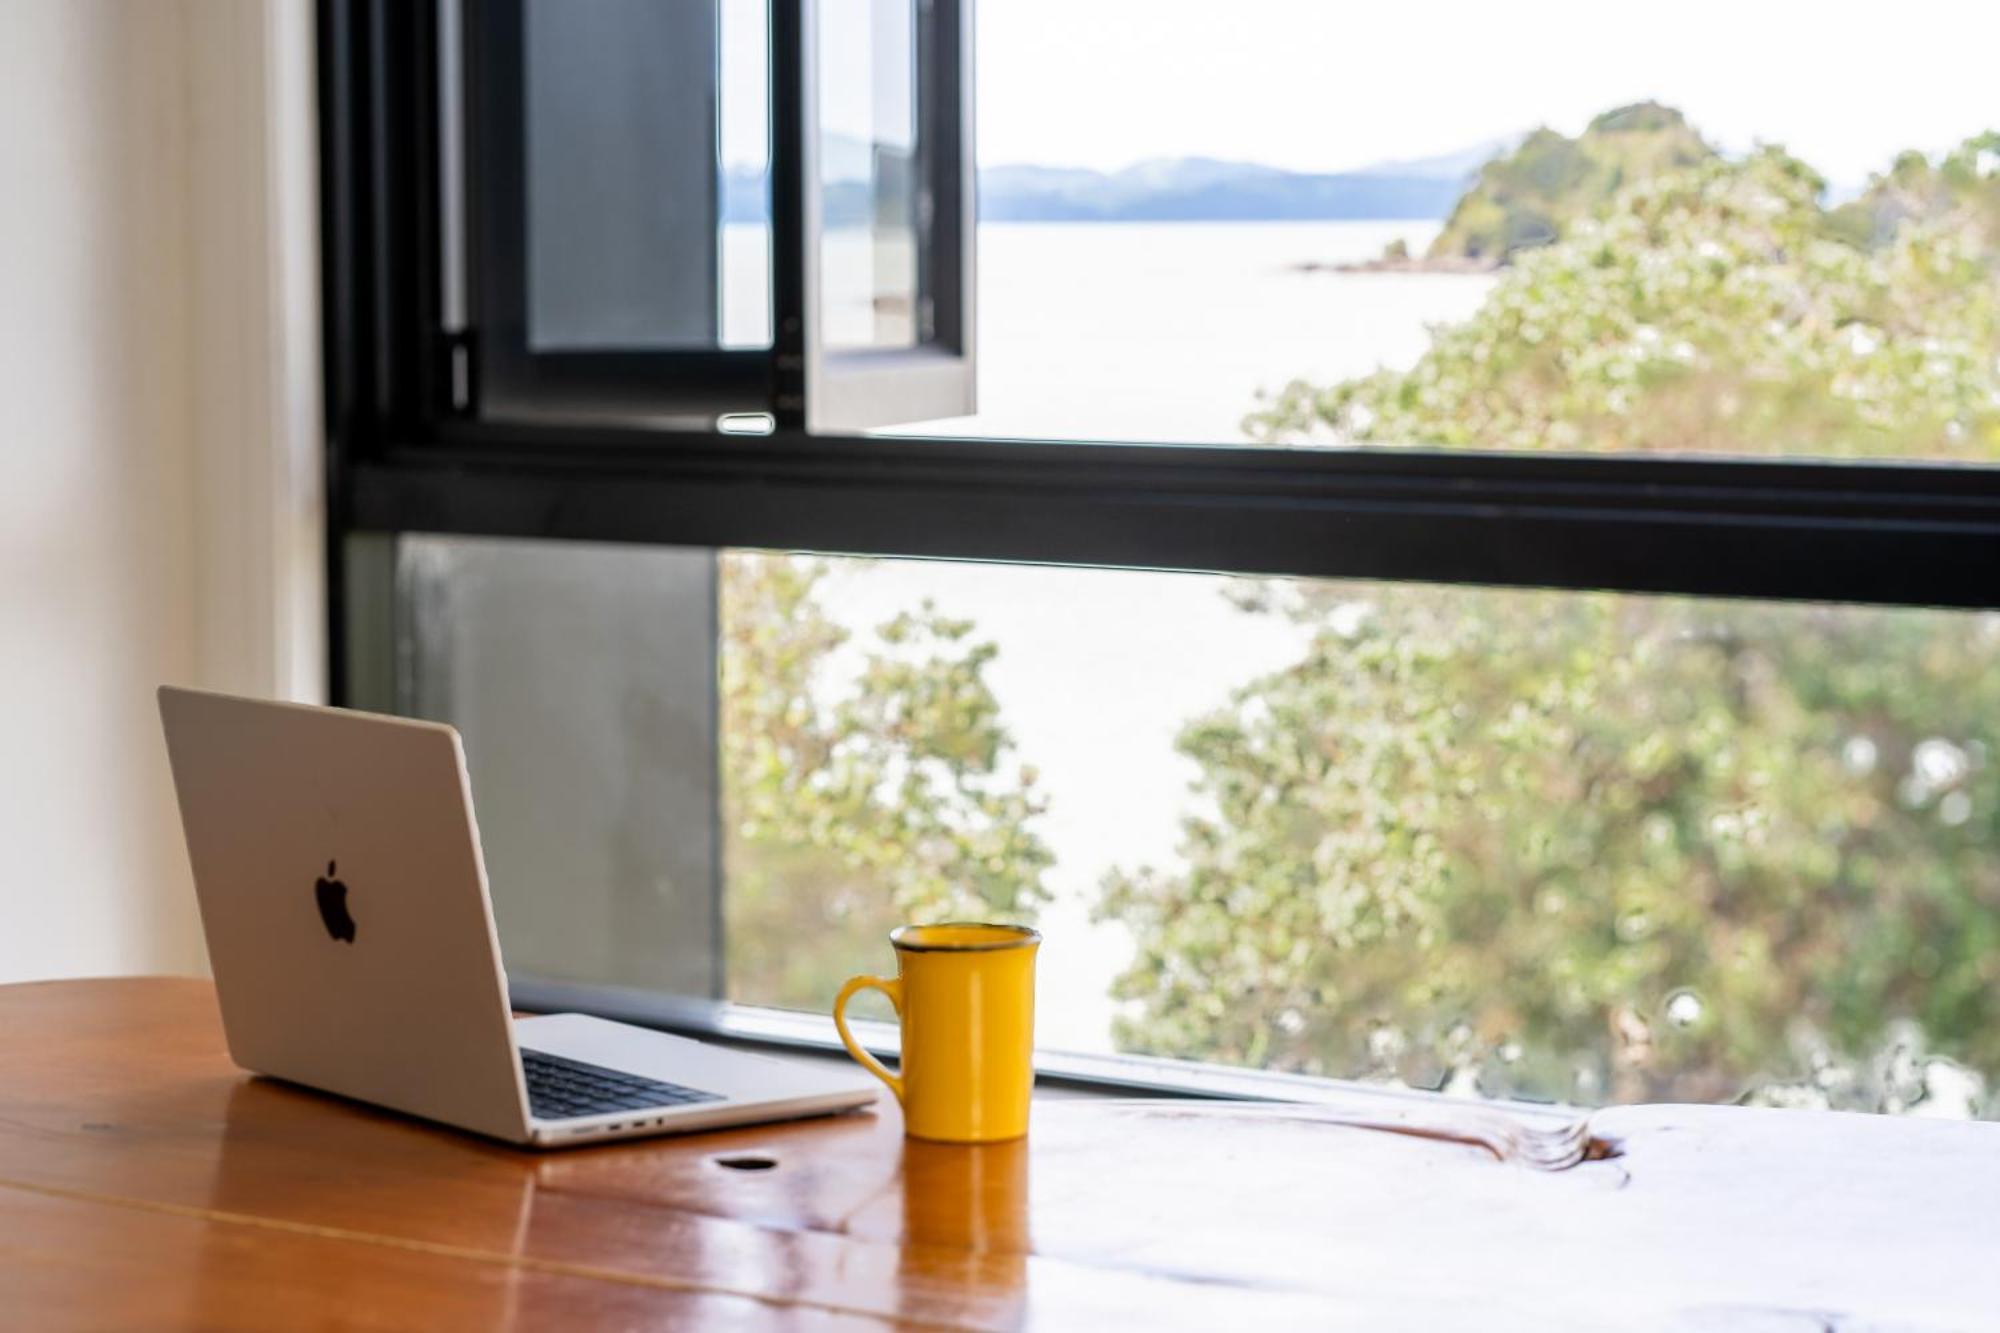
(331, 895)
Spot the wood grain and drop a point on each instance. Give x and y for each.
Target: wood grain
(74, 1264)
(134, 1158)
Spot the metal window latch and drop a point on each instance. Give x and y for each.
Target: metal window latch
(459, 390)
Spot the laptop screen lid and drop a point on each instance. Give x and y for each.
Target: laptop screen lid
(344, 901)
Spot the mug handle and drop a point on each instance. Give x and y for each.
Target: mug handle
(889, 986)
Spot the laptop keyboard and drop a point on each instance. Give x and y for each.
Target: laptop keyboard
(560, 1089)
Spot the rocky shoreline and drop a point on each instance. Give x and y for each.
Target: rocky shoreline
(1400, 264)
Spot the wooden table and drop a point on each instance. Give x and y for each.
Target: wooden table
(146, 1183)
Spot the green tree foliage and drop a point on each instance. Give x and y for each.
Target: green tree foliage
(1526, 198)
(1602, 847)
(852, 805)
(1717, 309)
(1963, 183)
(1582, 845)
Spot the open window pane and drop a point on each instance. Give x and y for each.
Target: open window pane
(888, 211)
(870, 239)
(746, 181)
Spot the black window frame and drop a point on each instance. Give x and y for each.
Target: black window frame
(401, 457)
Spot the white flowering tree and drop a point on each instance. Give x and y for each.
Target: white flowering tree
(1611, 847)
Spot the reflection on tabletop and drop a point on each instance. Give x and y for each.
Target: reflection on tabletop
(121, 1119)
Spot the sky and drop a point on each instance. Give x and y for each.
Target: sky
(1318, 85)
(1322, 85)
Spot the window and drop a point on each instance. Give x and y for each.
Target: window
(1521, 735)
(605, 248)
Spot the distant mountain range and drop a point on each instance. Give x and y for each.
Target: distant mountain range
(1189, 189)
(1201, 189)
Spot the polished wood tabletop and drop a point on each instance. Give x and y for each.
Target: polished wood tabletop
(147, 1183)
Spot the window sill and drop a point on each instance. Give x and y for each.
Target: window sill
(1101, 1074)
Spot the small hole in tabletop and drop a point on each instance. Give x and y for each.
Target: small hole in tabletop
(747, 1162)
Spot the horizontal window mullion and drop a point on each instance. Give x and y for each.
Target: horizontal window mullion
(1921, 536)
(582, 446)
(695, 384)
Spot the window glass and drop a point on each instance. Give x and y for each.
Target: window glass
(647, 175)
(746, 173)
(868, 169)
(582, 679)
(1290, 223)
(1579, 846)
(1574, 846)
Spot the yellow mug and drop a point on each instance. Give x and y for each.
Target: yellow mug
(966, 996)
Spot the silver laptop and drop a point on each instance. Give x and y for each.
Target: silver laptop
(344, 899)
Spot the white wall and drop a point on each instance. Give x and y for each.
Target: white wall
(158, 476)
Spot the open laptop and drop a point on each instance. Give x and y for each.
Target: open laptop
(344, 899)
